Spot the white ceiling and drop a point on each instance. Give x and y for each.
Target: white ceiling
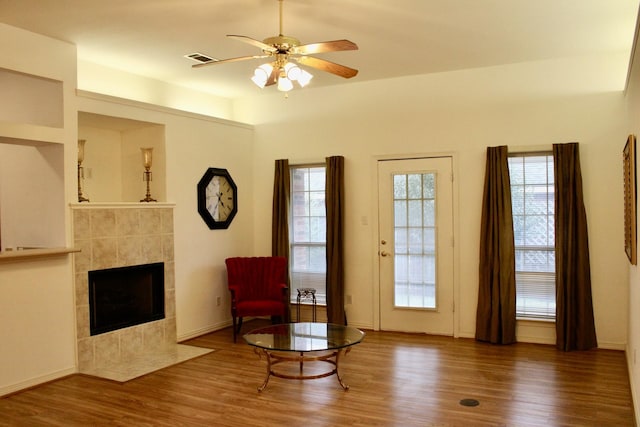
(395, 37)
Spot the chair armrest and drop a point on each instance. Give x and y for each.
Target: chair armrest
(235, 293)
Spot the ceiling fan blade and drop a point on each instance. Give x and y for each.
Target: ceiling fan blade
(324, 65)
(330, 46)
(223, 61)
(253, 42)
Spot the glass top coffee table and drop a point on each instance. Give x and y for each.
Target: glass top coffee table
(303, 342)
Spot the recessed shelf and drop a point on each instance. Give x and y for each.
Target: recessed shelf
(31, 100)
(21, 134)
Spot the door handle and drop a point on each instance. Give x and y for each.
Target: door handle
(384, 253)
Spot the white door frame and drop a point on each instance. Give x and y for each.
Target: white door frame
(376, 238)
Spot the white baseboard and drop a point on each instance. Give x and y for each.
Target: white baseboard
(612, 346)
(634, 400)
(32, 382)
(203, 331)
(361, 325)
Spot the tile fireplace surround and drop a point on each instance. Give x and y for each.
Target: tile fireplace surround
(121, 235)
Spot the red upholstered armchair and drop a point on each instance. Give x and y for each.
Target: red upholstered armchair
(258, 288)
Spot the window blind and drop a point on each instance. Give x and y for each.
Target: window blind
(536, 294)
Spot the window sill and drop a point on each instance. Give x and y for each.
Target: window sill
(534, 320)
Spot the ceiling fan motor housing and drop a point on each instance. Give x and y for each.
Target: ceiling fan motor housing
(282, 43)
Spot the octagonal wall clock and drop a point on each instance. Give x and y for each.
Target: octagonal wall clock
(217, 198)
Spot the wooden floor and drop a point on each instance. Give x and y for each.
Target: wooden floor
(396, 380)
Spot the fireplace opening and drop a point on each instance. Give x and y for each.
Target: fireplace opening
(125, 296)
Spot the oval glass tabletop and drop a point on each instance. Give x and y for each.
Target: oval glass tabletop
(304, 336)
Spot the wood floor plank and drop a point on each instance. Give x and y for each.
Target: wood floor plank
(396, 380)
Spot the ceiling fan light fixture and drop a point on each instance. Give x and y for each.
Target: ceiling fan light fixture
(293, 71)
(304, 78)
(297, 74)
(284, 84)
(261, 75)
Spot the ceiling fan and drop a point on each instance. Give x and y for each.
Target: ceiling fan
(284, 49)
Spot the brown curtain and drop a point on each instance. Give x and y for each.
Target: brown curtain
(280, 218)
(496, 312)
(335, 228)
(575, 328)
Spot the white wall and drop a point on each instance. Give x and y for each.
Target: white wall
(37, 327)
(37, 318)
(459, 113)
(108, 81)
(134, 188)
(194, 143)
(632, 300)
(102, 163)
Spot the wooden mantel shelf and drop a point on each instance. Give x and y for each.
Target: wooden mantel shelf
(29, 254)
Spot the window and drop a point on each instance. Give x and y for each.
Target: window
(414, 200)
(308, 230)
(532, 197)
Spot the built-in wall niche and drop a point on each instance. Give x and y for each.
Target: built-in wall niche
(33, 100)
(32, 204)
(113, 165)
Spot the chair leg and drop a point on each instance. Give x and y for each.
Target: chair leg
(239, 327)
(234, 328)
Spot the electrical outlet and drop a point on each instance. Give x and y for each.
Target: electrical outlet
(218, 301)
(349, 299)
(634, 356)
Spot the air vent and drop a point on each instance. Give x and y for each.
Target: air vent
(200, 57)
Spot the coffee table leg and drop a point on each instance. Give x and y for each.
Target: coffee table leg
(260, 352)
(338, 354)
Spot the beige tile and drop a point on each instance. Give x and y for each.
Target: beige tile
(103, 223)
(151, 248)
(129, 251)
(85, 354)
(170, 333)
(82, 259)
(147, 363)
(83, 329)
(150, 221)
(104, 253)
(167, 220)
(169, 276)
(82, 288)
(170, 303)
(81, 224)
(128, 222)
(167, 247)
(153, 335)
(131, 342)
(107, 348)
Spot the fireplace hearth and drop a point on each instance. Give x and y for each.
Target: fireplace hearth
(125, 296)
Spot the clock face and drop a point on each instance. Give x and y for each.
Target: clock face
(220, 197)
(217, 203)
